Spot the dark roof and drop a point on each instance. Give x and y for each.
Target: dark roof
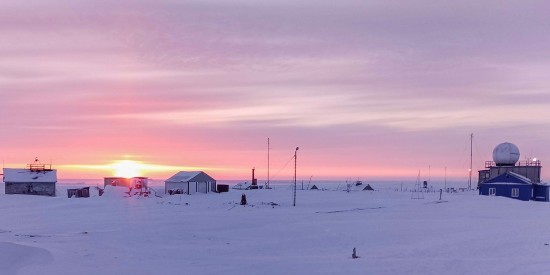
(368, 188)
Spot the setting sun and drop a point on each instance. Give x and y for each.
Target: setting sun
(127, 169)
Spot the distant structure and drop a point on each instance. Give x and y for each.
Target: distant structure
(368, 188)
(249, 186)
(222, 188)
(506, 177)
(190, 182)
(78, 192)
(134, 183)
(505, 159)
(254, 184)
(36, 179)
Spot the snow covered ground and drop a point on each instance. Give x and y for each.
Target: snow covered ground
(211, 234)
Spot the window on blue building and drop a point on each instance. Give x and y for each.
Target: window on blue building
(515, 192)
(492, 191)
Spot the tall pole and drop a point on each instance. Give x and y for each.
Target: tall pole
(295, 161)
(471, 156)
(253, 177)
(429, 174)
(445, 178)
(267, 163)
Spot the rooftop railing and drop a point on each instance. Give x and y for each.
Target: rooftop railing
(35, 167)
(489, 164)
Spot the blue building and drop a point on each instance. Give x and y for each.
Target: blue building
(509, 185)
(506, 177)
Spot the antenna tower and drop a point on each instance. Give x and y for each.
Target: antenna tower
(471, 156)
(417, 192)
(267, 187)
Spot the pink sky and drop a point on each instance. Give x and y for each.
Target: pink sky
(366, 89)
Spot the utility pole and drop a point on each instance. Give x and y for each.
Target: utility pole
(430, 174)
(445, 178)
(268, 163)
(471, 156)
(295, 161)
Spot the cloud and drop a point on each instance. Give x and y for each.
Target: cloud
(109, 77)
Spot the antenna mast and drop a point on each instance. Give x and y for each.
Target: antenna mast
(429, 174)
(295, 161)
(471, 156)
(445, 178)
(267, 163)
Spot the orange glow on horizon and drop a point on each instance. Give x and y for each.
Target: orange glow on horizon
(127, 169)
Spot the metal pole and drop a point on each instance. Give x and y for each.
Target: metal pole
(445, 178)
(471, 156)
(267, 163)
(295, 161)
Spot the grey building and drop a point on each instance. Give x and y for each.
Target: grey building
(30, 181)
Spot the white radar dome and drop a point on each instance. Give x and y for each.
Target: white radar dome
(506, 154)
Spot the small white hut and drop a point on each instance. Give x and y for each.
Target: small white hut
(190, 182)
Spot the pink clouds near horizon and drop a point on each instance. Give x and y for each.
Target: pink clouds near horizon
(366, 89)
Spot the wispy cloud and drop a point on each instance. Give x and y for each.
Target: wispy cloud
(133, 77)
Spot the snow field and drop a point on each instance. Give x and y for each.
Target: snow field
(211, 234)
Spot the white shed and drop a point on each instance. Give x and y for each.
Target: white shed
(190, 182)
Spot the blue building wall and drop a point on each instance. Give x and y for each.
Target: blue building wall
(508, 178)
(503, 186)
(541, 192)
(505, 190)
